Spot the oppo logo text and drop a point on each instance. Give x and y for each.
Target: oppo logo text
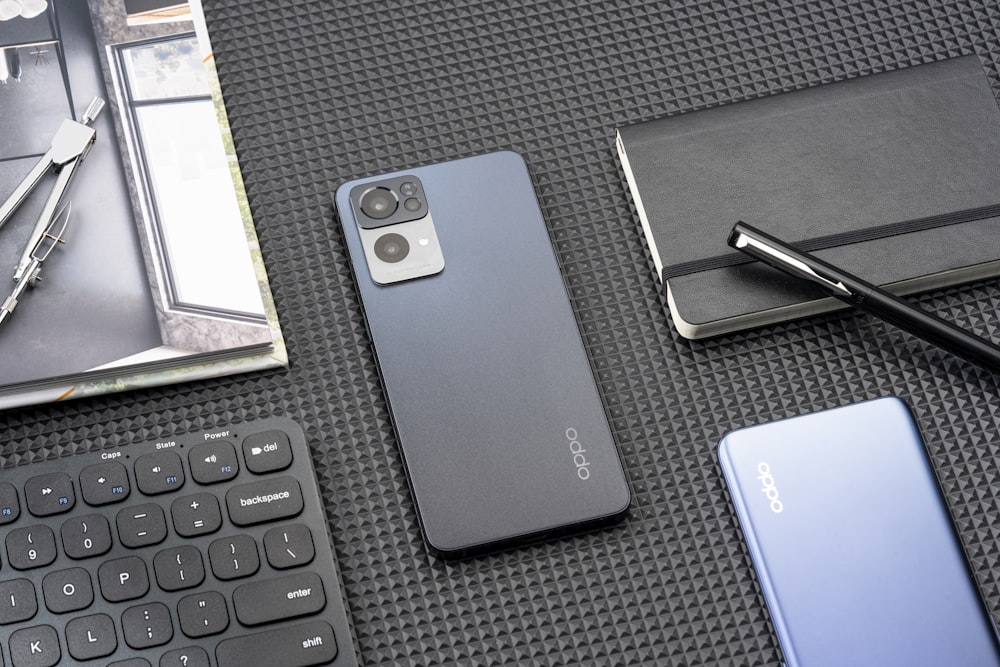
(768, 487)
(579, 460)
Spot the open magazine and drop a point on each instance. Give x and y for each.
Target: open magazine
(159, 277)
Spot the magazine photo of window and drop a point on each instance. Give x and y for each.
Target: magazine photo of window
(158, 277)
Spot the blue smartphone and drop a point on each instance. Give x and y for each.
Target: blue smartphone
(852, 541)
(496, 410)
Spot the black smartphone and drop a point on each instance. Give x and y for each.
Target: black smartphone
(501, 426)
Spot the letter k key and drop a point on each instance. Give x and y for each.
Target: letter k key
(37, 646)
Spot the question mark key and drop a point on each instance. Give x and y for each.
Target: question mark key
(185, 657)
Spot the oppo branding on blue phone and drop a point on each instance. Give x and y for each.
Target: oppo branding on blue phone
(865, 573)
(480, 355)
(769, 489)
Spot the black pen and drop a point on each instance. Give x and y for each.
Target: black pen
(864, 295)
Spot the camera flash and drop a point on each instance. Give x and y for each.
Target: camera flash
(423, 240)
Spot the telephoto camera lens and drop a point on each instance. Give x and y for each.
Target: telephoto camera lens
(391, 248)
(378, 203)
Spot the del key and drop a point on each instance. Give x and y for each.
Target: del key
(263, 501)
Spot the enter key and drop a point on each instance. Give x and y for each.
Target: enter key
(298, 594)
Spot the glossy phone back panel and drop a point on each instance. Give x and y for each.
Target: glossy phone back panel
(853, 543)
(485, 372)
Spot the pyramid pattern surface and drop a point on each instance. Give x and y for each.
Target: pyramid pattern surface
(322, 92)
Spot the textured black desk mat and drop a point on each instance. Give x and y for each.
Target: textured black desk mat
(320, 92)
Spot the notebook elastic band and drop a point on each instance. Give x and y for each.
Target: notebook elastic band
(844, 238)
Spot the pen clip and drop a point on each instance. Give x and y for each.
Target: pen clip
(761, 249)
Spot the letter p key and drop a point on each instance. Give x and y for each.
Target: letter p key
(123, 579)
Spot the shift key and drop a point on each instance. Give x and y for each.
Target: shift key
(300, 645)
(263, 501)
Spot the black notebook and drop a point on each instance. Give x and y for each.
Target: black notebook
(893, 176)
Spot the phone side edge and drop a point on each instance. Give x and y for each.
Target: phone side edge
(749, 535)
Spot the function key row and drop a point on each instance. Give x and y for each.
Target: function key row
(155, 473)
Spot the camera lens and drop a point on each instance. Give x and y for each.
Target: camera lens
(408, 188)
(378, 203)
(391, 248)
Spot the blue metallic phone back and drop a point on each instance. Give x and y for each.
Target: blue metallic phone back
(853, 543)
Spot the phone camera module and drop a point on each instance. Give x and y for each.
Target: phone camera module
(391, 248)
(378, 204)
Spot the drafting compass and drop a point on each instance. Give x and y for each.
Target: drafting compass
(69, 147)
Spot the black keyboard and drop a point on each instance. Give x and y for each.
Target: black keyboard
(198, 550)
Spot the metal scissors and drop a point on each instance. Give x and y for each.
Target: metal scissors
(69, 147)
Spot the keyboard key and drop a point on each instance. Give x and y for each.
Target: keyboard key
(301, 645)
(267, 452)
(233, 557)
(86, 536)
(35, 647)
(267, 500)
(91, 637)
(147, 625)
(10, 508)
(203, 614)
(104, 483)
(185, 657)
(179, 568)
(159, 472)
(291, 596)
(289, 546)
(67, 590)
(141, 526)
(133, 662)
(31, 547)
(123, 579)
(195, 515)
(17, 601)
(213, 462)
(49, 494)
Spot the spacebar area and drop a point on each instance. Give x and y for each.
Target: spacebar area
(302, 645)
